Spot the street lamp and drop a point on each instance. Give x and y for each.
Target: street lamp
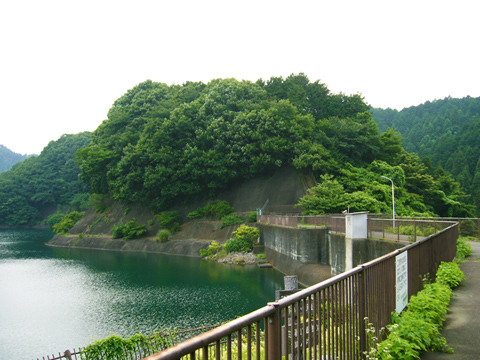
(393, 198)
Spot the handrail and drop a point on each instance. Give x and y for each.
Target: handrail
(347, 288)
(213, 335)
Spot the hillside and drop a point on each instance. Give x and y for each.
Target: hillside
(280, 190)
(165, 148)
(9, 158)
(38, 186)
(445, 134)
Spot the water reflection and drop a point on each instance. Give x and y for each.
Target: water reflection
(53, 299)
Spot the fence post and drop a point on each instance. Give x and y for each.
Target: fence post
(68, 355)
(362, 313)
(414, 230)
(274, 341)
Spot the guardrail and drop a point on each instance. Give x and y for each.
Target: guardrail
(327, 320)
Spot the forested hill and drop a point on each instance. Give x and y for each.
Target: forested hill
(445, 132)
(166, 145)
(40, 185)
(163, 146)
(8, 158)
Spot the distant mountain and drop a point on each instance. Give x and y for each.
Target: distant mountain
(444, 133)
(8, 158)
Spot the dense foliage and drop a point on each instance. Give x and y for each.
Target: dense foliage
(417, 329)
(44, 183)
(445, 134)
(67, 222)
(163, 145)
(243, 239)
(8, 158)
(129, 230)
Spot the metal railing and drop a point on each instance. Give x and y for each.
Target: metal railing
(324, 321)
(336, 222)
(142, 350)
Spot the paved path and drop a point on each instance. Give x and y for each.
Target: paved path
(462, 326)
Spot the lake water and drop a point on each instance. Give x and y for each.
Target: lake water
(53, 299)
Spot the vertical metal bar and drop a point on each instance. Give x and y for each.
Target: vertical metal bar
(383, 229)
(299, 335)
(229, 346)
(217, 350)
(315, 322)
(274, 334)
(205, 352)
(192, 355)
(292, 331)
(249, 342)
(257, 340)
(361, 311)
(324, 324)
(304, 327)
(239, 344)
(414, 230)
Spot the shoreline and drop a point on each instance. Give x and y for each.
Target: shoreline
(189, 248)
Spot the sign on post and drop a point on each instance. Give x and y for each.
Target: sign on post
(401, 262)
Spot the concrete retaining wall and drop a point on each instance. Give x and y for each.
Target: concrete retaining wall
(289, 249)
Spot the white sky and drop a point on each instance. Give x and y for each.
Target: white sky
(64, 63)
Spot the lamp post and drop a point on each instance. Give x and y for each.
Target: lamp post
(393, 198)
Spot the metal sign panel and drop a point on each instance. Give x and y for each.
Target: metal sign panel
(401, 273)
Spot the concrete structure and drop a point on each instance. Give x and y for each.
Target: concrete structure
(291, 249)
(356, 225)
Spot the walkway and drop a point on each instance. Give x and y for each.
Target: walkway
(462, 326)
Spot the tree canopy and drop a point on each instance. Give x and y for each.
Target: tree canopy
(164, 145)
(40, 184)
(444, 134)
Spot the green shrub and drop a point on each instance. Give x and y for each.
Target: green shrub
(418, 328)
(463, 250)
(130, 230)
(67, 222)
(449, 274)
(199, 213)
(97, 201)
(251, 217)
(261, 256)
(115, 347)
(468, 228)
(163, 235)
(169, 220)
(231, 219)
(430, 230)
(216, 209)
(54, 218)
(243, 239)
(212, 250)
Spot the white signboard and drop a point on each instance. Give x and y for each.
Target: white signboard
(401, 281)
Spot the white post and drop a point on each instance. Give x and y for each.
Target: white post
(393, 198)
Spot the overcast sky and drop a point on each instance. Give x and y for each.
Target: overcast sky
(64, 63)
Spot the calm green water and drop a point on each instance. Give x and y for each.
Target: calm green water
(54, 299)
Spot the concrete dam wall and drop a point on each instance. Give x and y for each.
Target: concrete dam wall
(315, 254)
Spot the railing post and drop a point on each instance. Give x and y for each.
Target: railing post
(68, 355)
(414, 230)
(274, 341)
(362, 314)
